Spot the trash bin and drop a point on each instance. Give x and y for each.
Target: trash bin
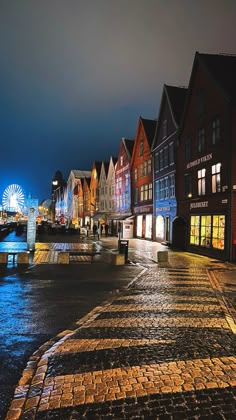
(123, 247)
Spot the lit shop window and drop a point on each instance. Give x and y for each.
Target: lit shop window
(201, 174)
(216, 178)
(205, 239)
(218, 232)
(194, 230)
(160, 227)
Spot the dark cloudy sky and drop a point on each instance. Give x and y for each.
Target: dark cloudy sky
(76, 74)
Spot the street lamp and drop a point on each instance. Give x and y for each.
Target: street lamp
(54, 187)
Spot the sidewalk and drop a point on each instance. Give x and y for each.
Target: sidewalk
(162, 348)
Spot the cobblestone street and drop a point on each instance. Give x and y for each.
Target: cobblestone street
(162, 349)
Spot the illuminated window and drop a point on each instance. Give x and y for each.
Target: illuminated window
(157, 190)
(162, 189)
(142, 193)
(215, 130)
(194, 230)
(121, 161)
(135, 174)
(218, 232)
(205, 238)
(141, 148)
(201, 140)
(172, 185)
(150, 191)
(201, 174)
(166, 182)
(141, 170)
(216, 178)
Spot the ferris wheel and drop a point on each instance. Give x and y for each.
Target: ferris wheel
(13, 198)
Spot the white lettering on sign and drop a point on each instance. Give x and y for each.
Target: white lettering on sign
(200, 160)
(198, 205)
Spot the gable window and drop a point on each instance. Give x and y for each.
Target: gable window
(145, 168)
(165, 157)
(201, 174)
(157, 162)
(201, 140)
(161, 160)
(164, 129)
(215, 131)
(216, 178)
(171, 153)
(141, 171)
(188, 185)
(141, 148)
(188, 149)
(200, 102)
(136, 195)
(121, 161)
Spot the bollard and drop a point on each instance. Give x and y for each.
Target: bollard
(63, 258)
(23, 258)
(118, 259)
(162, 256)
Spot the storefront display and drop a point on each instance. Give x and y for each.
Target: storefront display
(208, 231)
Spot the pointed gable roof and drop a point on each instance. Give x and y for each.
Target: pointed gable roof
(106, 167)
(149, 128)
(221, 69)
(176, 97)
(128, 145)
(98, 166)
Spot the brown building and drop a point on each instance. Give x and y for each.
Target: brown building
(206, 156)
(141, 179)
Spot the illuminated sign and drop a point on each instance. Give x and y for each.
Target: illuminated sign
(200, 160)
(198, 205)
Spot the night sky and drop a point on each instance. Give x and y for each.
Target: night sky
(75, 76)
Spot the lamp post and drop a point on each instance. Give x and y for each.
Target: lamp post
(54, 187)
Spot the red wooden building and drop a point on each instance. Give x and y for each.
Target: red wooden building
(142, 179)
(206, 160)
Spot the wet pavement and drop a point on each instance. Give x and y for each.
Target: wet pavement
(161, 348)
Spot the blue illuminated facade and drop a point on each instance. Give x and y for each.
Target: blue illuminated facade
(164, 162)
